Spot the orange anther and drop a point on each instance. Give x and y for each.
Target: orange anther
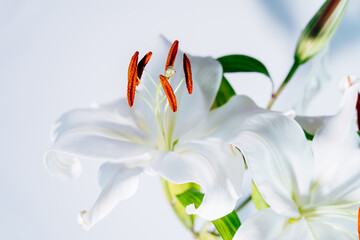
(169, 92)
(132, 78)
(187, 72)
(359, 222)
(172, 55)
(141, 66)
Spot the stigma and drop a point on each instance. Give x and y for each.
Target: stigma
(136, 70)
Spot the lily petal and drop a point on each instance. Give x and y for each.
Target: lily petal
(104, 121)
(311, 124)
(118, 182)
(111, 131)
(336, 149)
(265, 225)
(218, 172)
(299, 231)
(279, 159)
(62, 159)
(333, 230)
(226, 121)
(206, 74)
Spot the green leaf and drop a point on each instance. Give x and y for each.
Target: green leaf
(236, 63)
(224, 93)
(308, 136)
(359, 134)
(171, 190)
(226, 226)
(242, 63)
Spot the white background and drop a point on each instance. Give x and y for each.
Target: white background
(59, 55)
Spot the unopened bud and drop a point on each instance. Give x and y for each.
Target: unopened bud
(320, 29)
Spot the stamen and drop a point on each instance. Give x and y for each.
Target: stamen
(145, 100)
(349, 81)
(169, 93)
(232, 149)
(132, 79)
(82, 213)
(187, 72)
(172, 55)
(358, 110)
(141, 66)
(147, 91)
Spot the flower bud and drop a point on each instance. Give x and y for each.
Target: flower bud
(320, 29)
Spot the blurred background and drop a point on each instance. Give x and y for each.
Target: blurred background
(60, 55)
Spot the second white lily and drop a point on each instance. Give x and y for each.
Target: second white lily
(313, 189)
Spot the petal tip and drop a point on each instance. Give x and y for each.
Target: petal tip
(82, 220)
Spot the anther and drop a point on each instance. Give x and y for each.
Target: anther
(172, 55)
(359, 222)
(169, 93)
(141, 66)
(188, 74)
(132, 79)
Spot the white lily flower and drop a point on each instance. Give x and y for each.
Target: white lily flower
(311, 123)
(181, 141)
(313, 188)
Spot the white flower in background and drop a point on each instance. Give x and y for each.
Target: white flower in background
(311, 123)
(313, 188)
(181, 141)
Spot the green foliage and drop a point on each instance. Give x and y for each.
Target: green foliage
(308, 136)
(232, 64)
(226, 226)
(171, 190)
(224, 93)
(242, 63)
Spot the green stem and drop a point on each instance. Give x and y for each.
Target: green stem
(285, 82)
(248, 199)
(171, 190)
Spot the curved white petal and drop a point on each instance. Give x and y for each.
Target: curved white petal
(218, 172)
(110, 131)
(336, 149)
(311, 124)
(279, 159)
(62, 166)
(207, 73)
(298, 231)
(118, 182)
(62, 159)
(226, 121)
(334, 230)
(115, 120)
(265, 225)
(139, 115)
